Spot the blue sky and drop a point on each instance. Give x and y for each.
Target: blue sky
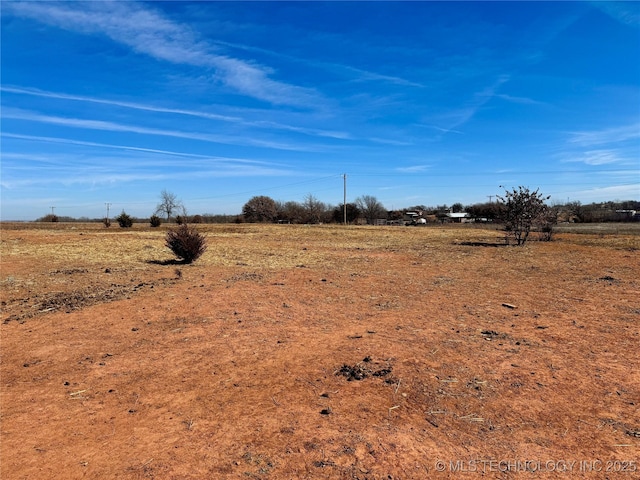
(418, 103)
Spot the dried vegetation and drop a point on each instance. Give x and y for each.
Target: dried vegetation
(314, 352)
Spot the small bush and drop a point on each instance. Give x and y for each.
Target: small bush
(186, 243)
(197, 219)
(155, 221)
(546, 223)
(181, 220)
(124, 220)
(106, 222)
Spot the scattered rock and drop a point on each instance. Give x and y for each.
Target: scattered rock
(355, 372)
(490, 333)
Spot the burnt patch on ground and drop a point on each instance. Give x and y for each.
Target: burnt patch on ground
(363, 369)
(69, 301)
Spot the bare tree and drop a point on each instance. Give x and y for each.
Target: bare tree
(314, 209)
(292, 212)
(168, 204)
(371, 208)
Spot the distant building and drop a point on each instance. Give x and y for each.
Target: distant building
(459, 217)
(414, 217)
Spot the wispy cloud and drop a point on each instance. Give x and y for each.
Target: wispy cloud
(137, 106)
(11, 113)
(68, 141)
(520, 100)
(414, 169)
(178, 111)
(79, 169)
(605, 136)
(438, 129)
(353, 73)
(389, 141)
(614, 145)
(615, 192)
(305, 130)
(93, 178)
(148, 32)
(626, 13)
(599, 157)
(458, 117)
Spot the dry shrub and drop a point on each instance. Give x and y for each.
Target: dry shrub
(124, 220)
(155, 221)
(186, 243)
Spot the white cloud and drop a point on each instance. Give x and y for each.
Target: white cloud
(615, 145)
(76, 170)
(147, 32)
(192, 113)
(455, 118)
(616, 192)
(606, 136)
(340, 69)
(626, 13)
(598, 157)
(439, 129)
(67, 141)
(389, 141)
(520, 100)
(18, 114)
(137, 106)
(414, 169)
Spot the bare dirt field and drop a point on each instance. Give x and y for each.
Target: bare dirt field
(318, 352)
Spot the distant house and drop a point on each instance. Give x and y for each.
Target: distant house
(628, 214)
(459, 217)
(414, 217)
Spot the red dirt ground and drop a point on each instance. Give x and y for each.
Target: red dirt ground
(292, 352)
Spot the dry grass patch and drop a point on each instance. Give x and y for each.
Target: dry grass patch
(239, 365)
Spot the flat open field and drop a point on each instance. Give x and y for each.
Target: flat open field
(297, 352)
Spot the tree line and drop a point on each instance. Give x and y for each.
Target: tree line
(366, 209)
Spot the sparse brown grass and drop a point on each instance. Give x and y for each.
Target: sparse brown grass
(118, 364)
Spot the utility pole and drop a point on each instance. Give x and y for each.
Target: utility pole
(52, 212)
(108, 205)
(490, 197)
(344, 201)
